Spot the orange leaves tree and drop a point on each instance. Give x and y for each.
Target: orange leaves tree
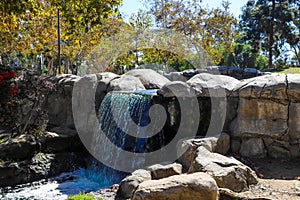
(30, 27)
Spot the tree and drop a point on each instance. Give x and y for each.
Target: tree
(212, 30)
(267, 24)
(29, 27)
(140, 23)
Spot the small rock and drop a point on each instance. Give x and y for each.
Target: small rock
(159, 171)
(130, 183)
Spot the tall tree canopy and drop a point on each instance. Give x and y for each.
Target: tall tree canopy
(30, 27)
(269, 24)
(213, 30)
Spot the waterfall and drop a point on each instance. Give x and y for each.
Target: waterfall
(123, 117)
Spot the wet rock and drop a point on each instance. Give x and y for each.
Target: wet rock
(40, 166)
(197, 186)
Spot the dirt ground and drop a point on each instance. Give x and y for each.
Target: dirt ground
(278, 179)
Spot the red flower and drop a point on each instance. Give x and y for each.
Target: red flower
(13, 74)
(6, 74)
(1, 77)
(13, 90)
(2, 83)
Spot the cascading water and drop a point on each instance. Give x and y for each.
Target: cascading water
(123, 117)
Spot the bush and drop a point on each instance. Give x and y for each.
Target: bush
(8, 86)
(22, 101)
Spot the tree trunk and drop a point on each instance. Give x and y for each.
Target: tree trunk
(271, 40)
(297, 55)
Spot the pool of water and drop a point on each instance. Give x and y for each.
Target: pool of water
(146, 92)
(64, 185)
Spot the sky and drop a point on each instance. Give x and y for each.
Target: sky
(132, 6)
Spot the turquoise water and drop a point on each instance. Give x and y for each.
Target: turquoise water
(60, 187)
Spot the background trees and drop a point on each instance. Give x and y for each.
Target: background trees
(29, 28)
(269, 25)
(177, 34)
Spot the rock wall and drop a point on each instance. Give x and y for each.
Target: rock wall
(267, 123)
(261, 114)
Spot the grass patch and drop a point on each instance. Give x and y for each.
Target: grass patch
(4, 138)
(82, 196)
(291, 70)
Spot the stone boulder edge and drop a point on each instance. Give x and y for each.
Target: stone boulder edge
(176, 89)
(159, 171)
(197, 186)
(227, 171)
(149, 78)
(209, 85)
(129, 184)
(125, 83)
(187, 148)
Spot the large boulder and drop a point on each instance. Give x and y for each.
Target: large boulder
(197, 186)
(187, 149)
(40, 166)
(261, 117)
(176, 76)
(59, 140)
(126, 83)
(102, 86)
(176, 89)
(263, 107)
(21, 147)
(83, 104)
(59, 101)
(159, 171)
(149, 78)
(130, 183)
(228, 172)
(293, 92)
(293, 89)
(271, 86)
(209, 85)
